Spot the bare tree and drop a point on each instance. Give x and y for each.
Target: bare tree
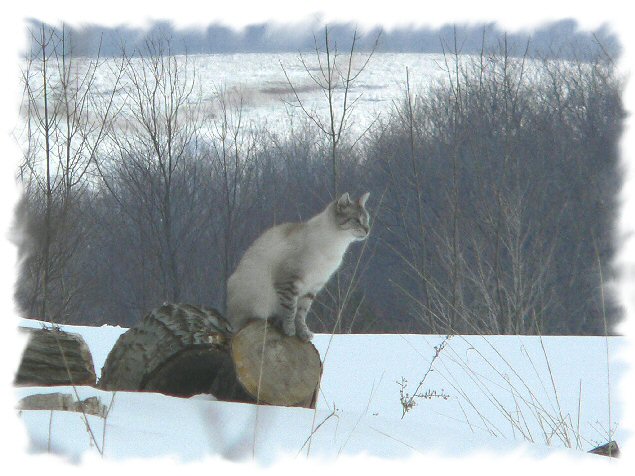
(336, 75)
(503, 160)
(336, 81)
(150, 155)
(497, 180)
(61, 139)
(232, 154)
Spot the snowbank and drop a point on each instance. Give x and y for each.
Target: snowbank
(504, 393)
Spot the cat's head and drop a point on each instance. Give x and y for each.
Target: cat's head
(353, 216)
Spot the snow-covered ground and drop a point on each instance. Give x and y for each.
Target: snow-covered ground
(504, 393)
(260, 83)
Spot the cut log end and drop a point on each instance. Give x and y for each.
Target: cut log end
(274, 368)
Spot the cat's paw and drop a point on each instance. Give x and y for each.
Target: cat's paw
(304, 334)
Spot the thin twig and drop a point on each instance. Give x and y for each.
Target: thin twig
(309, 438)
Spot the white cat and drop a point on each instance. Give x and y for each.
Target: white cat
(282, 271)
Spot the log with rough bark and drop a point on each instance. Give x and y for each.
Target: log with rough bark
(54, 357)
(183, 350)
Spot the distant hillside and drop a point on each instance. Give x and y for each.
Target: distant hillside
(561, 39)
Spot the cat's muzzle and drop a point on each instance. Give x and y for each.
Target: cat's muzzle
(361, 234)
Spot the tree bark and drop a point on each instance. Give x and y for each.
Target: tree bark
(53, 357)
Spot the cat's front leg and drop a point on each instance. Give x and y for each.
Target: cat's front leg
(288, 297)
(301, 329)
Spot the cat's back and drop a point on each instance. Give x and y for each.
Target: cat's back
(275, 243)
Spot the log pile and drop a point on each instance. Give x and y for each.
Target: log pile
(183, 350)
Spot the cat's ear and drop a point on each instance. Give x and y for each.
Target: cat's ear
(343, 201)
(362, 200)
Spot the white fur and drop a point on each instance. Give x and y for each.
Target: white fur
(314, 250)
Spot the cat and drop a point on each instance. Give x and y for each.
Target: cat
(280, 274)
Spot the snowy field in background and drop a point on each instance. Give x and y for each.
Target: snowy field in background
(500, 388)
(259, 81)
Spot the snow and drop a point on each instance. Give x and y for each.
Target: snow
(258, 82)
(501, 399)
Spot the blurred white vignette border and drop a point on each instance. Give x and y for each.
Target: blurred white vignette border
(187, 13)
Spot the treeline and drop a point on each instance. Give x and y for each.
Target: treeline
(492, 192)
(561, 39)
